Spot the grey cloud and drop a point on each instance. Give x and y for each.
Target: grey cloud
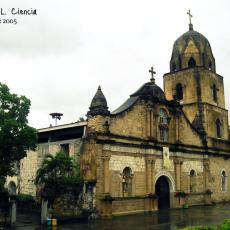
(39, 39)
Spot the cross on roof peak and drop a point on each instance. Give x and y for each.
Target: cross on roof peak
(190, 20)
(190, 16)
(152, 79)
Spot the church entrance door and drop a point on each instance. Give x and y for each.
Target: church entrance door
(162, 191)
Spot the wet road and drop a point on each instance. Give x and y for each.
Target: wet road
(162, 220)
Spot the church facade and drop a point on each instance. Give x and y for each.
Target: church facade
(161, 149)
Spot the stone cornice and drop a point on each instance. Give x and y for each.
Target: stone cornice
(153, 144)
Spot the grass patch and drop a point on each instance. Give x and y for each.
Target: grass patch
(223, 226)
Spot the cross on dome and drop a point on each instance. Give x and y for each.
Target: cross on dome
(152, 79)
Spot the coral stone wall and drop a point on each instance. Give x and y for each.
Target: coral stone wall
(32, 162)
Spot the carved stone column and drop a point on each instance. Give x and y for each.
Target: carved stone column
(153, 175)
(178, 168)
(150, 188)
(106, 176)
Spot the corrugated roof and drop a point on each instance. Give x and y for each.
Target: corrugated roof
(64, 126)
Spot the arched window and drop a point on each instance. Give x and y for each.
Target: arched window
(163, 125)
(192, 185)
(218, 128)
(127, 182)
(214, 92)
(179, 91)
(223, 181)
(191, 62)
(210, 65)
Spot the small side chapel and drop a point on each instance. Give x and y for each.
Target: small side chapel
(162, 149)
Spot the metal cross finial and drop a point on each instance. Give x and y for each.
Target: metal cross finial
(190, 16)
(152, 79)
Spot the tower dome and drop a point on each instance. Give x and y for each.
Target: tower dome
(190, 50)
(98, 105)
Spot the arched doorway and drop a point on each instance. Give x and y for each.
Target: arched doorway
(163, 192)
(12, 188)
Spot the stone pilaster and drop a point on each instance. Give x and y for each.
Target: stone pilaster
(148, 175)
(153, 175)
(151, 123)
(178, 166)
(150, 162)
(106, 205)
(156, 124)
(153, 202)
(150, 187)
(148, 125)
(177, 129)
(106, 176)
(206, 175)
(207, 196)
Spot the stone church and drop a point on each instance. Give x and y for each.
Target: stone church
(162, 148)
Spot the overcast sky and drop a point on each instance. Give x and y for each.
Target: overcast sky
(59, 57)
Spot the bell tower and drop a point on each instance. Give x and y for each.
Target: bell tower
(193, 81)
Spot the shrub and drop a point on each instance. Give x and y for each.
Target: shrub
(4, 201)
(225, 225)
(24, 199)
(200, 228)
(181, 194)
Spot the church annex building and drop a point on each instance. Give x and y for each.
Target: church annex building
(160, 148)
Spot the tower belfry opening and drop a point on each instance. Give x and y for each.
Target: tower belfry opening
(191, 63)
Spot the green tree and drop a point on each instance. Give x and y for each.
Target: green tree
(15, 135)
(57, 166)
(58, 174)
